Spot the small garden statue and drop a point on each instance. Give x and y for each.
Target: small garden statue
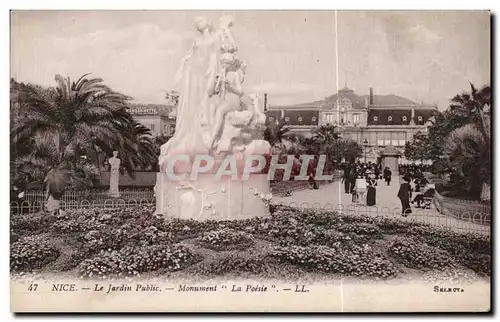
(114, 175)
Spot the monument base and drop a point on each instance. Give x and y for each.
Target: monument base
(210, 199)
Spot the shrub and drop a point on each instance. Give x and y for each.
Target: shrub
(361, 229)
(417, 254)
(225, 239)
(31, 253)
(357, 261)
(187, 229)
(31, 223)
(234, 263)
(133, 260)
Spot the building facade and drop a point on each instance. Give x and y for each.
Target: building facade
(373, 121)
(156, 117)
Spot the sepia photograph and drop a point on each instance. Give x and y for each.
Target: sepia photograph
(250, 161)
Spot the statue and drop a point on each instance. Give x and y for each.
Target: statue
(197, 70)
(114, 175)
(214, 118)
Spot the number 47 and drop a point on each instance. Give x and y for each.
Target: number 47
(33, 287)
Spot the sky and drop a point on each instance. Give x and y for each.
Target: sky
(425, 56)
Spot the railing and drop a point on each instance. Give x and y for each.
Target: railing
(465, 222)
(90, 195)
(456, 207)
(24, 207)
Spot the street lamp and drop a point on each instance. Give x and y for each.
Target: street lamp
(365, 144)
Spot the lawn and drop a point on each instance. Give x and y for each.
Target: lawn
(291, 244)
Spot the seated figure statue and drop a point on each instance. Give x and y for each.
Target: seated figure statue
(230, 93)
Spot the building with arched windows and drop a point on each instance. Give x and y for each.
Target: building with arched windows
(373, 121)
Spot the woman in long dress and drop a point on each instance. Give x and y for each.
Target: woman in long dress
(371, 192)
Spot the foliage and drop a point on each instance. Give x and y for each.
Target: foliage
(235, 263)
(133, 260)
(459, 141)
(275, 133)
(225, 239)
(416, 254)
(68, 129)
(359, 261)
(133, 240)
(31, 253)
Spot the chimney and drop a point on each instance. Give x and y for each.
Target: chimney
(371, 96)
(265, 102)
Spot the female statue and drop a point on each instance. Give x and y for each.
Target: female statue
(198, 68)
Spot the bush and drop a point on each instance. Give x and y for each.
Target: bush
(234, 263)
(417, 254)
(225, 239)
(357, 261)
(31, 253)
(31, 223)
(133, 260)
(361, 229)
(187, 229)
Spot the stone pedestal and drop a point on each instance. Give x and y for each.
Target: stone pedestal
(208, 198)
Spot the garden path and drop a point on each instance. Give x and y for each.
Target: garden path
(388, 205)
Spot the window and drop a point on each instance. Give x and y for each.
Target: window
(405, 118)
(165, 130)
(420, 118)
(313, 119)
(152, 127)
(402, 142)
(356, 118)
(287, 119)
(375, 119)
(389, 118)
(300, 118)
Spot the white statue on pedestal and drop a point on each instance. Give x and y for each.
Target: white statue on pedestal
(114, 175)
(216, 118)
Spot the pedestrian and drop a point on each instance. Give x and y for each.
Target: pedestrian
(346, 179)
(361, 188)
(387, 175)
(404, 196)
(371, 191)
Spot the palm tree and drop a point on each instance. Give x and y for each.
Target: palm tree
(326, 138)
(468, 148)
(275, 133)
(74, 121)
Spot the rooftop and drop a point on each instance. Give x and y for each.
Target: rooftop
(360, 101)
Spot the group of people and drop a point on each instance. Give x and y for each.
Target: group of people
(361, 179)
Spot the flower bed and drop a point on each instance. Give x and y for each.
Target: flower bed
(225, 239)
(30, 253)
(130, 261)
(416, 254)
(132, 241)
(359, 261)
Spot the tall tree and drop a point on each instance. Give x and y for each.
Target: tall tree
(75, 121)
(275, 133)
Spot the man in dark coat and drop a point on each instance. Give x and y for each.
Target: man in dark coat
(387, 175)
(404, 196)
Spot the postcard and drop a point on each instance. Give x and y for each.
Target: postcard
(250, 161)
